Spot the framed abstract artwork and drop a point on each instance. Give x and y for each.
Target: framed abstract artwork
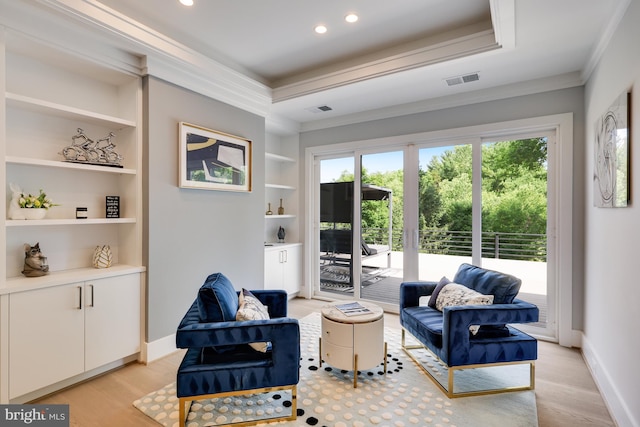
(611, 175)
(212, 160)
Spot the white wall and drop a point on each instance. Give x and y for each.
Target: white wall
(612, 238)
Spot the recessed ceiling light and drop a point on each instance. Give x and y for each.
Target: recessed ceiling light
(320, 29)
(187, 2)
(351, 18)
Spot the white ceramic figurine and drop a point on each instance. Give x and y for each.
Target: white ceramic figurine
(14, 205)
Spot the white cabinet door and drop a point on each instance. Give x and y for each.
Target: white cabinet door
(283, 268)
(112, 319)
(46, 337)
(272, 269)
(292, 273)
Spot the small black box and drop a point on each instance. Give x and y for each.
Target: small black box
(113, 207)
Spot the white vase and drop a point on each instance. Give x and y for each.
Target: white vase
(33, 213)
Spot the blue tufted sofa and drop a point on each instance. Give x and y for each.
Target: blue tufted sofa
(446, 333)
(219, 360)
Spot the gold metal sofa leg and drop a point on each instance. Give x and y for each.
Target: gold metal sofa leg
(449, 390)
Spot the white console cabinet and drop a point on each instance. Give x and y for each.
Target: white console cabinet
(59, 332)
(283, 267)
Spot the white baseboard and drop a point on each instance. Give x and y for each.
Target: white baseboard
(613, 399)
(576, 338)
(159, 348)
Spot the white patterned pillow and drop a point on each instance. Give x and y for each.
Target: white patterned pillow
(250, 308)
(453, 294)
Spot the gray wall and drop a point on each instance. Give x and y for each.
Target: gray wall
(541, 104)
(190, 233)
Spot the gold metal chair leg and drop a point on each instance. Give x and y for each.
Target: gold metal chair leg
(385, 358)
(182, 413)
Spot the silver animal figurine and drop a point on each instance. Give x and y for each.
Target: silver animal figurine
(35, 264)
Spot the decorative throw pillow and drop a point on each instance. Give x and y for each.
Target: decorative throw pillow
(453, 294)
(250, 308)
(434, 296)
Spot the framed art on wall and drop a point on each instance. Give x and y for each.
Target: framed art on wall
(212, 160)
(611, 162)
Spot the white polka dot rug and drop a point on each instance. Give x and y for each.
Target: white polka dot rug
(403, 396)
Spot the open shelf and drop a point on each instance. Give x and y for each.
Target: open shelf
(65, 111)
(280, 186)
(71, 221)
(278, 158)
(67, 165)
(279, 216)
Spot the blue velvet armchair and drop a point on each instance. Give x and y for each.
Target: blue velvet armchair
(219, 360)
(447, 333)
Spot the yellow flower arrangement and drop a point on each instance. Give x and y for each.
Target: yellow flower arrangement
(40, 201)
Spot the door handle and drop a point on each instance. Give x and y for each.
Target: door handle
(92, 290)
(79, 297)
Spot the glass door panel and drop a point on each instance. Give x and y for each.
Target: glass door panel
(445, 207)
(336, 227)
(514, 215)
(381, 225)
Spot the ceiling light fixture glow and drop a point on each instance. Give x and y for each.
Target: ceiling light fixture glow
(351, 18)
(320, 29)
(187, 2)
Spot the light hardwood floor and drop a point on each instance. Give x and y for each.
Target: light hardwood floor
(565, 392)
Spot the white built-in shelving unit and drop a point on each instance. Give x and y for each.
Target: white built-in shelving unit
(95, 315)
(283, 261)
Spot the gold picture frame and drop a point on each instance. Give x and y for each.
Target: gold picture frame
(212, 160)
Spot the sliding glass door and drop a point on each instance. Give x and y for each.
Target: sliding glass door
(336, 227)
(416, 210)
(381, 226)
(514, 217)
(445, 205)
(486, 203)
(360, 226)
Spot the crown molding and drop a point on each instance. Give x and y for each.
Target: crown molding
(503, 17)
(605, 38)
(167, 59)
(531, 87)
(448, 50)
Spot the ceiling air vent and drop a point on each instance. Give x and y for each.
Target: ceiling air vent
(320, 109)
(467, 78)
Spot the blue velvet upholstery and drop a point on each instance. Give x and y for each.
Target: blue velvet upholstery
(206, 371)
(503, 287)
(447, 334)
(217, 299)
